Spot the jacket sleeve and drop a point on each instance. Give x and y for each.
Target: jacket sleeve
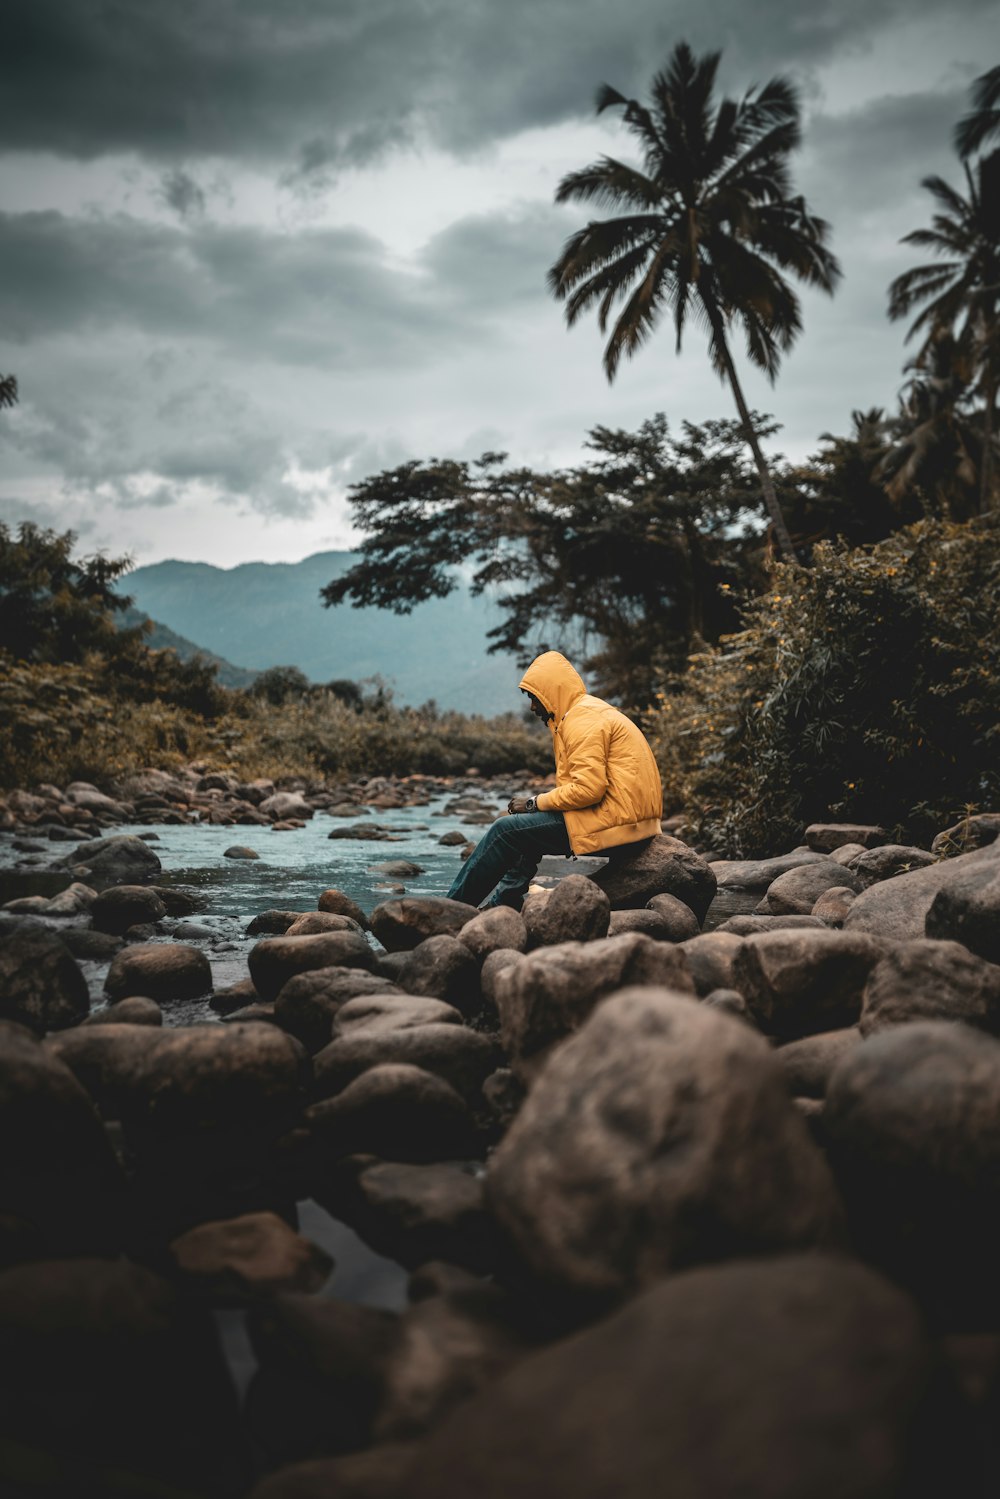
(586, 778)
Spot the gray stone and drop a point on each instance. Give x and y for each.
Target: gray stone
(240, 851)
(136, 1010)
(808, 1064)
(749, 924)
(931, 980)
(967, 908)
(379, 1013)
(463, 1057)
(651, 923)
(710, 957)
(575, 911)
(797, 891)
(548, 994)
(974, 831)
(659, 1136)
(897, 909)
(275, 960)
(160, 970)
(834, 904)
(888, 861)
(40, 984)
(663, 866)
(824, 837)
(120, 860)
(235, 1260)
(414, 1214)
(339, 904)
(797, 983)
(757, 874)
(308, 1003)
(681, 921)
(494, 930)
(400, 924)
(443, 968)
(396, 1111)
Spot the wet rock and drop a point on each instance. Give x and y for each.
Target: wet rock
(178, 902)
(40, 984)
(747, 924)
(72, 901)
(931, 980)
(710, 958)
(548, 994)
(897, 909)
(651, 923)
(286, 805)
(659, 1136)
(461, 1056)
(308, 1003)
(339, 904)
(107, 1060)
(225, 1001)
(846, 852)
(967, 909)
(136, 1010)
(311, 922)
(494, 930)
(123, 906)
(797, 891)
(275, 960)
(454, 839)
(824, 837)
(120, 1381)
(888, 861)
(94, 947)
(681, 920)
(663, 866)
(192, 931)
(797, 983)
(322, 1369)
(237, 1259)
(240, 851)
(399, 869)
(258, 1009)
(493, 966)
(121, 860)
(443, 968)
(375, 1473)
(396, 1111)
(400, 924)
(912, 1121)
(57, 1171)
(504, 1094)
(758, 874)
(699, 1388)
(413, 1214)
(731, 1002)
(575, 911)
(378, 1013)
(808, 1064)
(272, 923)
(161, 971)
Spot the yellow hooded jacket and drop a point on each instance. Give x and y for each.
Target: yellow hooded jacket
(607, 782)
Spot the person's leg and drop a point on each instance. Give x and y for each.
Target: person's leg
(507, 857)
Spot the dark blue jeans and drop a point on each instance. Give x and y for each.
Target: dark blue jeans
(506, 857)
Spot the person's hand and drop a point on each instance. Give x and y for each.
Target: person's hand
(521, 804)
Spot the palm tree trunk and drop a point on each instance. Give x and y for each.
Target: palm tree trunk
(986, 467)
(766, 483)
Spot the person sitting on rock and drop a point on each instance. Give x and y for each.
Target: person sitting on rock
(607, 792)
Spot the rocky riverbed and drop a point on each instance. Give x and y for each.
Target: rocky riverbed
(669, 1209)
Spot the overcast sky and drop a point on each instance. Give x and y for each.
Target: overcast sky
(253, 250)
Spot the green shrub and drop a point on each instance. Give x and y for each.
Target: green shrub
(865, 688)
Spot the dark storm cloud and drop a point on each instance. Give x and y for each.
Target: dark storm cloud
(323, 297)
(315, 83)
(183, 194)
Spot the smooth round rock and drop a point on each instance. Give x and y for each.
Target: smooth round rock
(162, 971)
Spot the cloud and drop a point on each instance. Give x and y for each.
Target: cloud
(318, 84)
(182, 193)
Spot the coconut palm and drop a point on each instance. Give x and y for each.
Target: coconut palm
(960, 290)
(8, 390)
(708, 224)
(937, 456)
(982, 123)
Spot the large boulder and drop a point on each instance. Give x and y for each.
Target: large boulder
(396, 1111)
(795, 892)
(824, 837)
(308, 1003)
(163, 971)
(897, 908)
(710, 958)
(802, 1377)
(974, 831)
(442, 968)
(681, 922)
(547, 995)
(756, 874)
(808, 1064)
(274, 960)
(122, 906)
(238, 1259)
(931, 980)
(659, 1136)
(967, 908)
(40, 984)
(463, 1057)
(575, 911)
(107, 1060)
(336, 901)
(912, 1122)
(663, 866)
(310, 923)
(119, 1386)
(888, 861)
(379, 1013)
(401, 924)
(58, 1175)
(799, 982)
(416, 1214)
(122, 860)
(284, 805)
(498, 929)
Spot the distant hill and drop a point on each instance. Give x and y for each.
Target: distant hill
(161, 638)
(263, 614)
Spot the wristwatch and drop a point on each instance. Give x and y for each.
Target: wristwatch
(531, 805)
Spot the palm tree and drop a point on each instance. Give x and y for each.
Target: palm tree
(709, 222)
(961, 289)
(8, 390)
(983, 121)
(937, 456)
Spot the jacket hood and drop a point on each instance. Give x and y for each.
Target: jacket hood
(556, 684)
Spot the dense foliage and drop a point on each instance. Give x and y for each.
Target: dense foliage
(866, 688)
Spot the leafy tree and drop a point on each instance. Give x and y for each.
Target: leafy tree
(348, 692)
(937, 456)
(982, 123)
(279, 683)
(839, 491)
(960, 291)
(52, 607)
(709, 224)
(633, 555)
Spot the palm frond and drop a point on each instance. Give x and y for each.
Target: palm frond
(609, 182)
(983, 121)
